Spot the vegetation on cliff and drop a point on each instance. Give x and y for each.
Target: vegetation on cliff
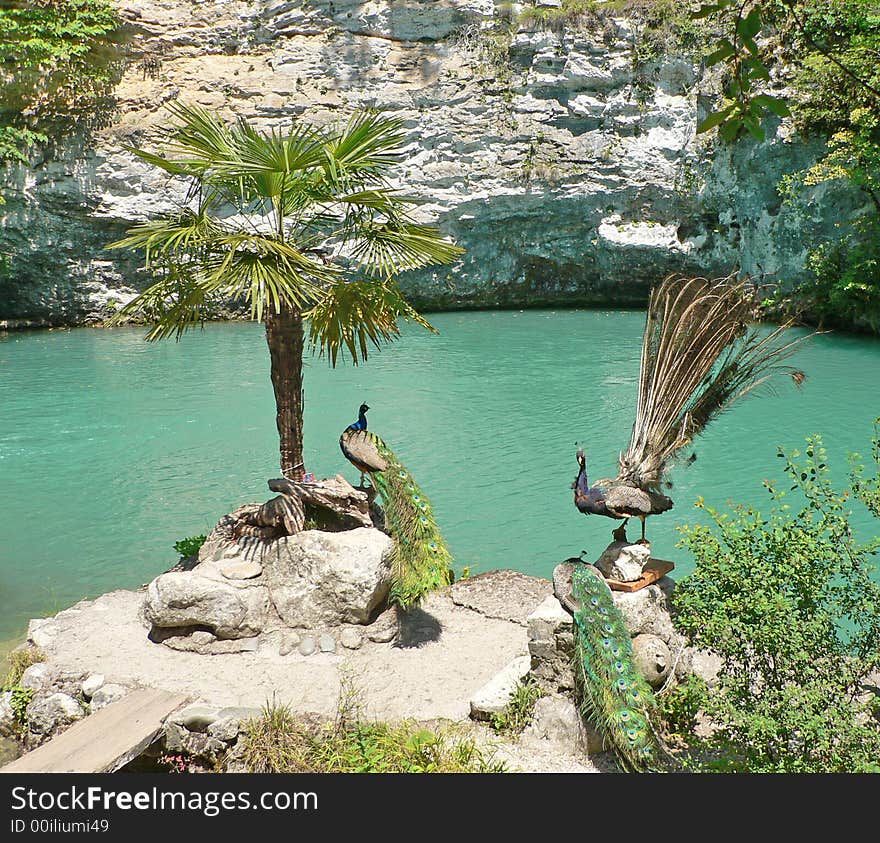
(57, 69)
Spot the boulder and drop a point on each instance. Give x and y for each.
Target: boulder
(189, 598)
(195, 718)
(551, 641)
(47, 714)
(37, 677)
(494, 696)
(319, 579)
(556, 719)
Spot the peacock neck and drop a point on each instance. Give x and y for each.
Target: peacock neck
(583, 483)
(362, 421)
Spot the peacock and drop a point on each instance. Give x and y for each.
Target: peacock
(613, 693)
(421, 561)
(699, 356)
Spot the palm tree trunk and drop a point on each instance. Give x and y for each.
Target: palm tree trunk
(284, 336)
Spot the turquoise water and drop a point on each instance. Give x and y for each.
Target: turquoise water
(111, 448)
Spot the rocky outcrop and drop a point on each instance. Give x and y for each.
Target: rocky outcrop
(312, 580)
(570, 174)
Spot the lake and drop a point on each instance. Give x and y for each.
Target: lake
(112, 449)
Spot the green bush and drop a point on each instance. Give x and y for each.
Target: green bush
(788, 602)
(189, 546)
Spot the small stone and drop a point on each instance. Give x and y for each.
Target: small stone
(225, 729)
(288, 643)
(327, 643)
(307, 646)
(241, 570)
(45, 715)
(351, 639)
(37, 677)
(202, 637)
(496, 693)
(196, 718)
(107, 694)
(92, 685)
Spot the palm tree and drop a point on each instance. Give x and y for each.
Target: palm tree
(302, 226)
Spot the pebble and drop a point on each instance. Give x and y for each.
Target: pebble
(92, 685)
(351, 639)
(328, 643)
(288, 643)
(307, 646)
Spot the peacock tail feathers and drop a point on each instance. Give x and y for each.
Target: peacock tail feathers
(613, 693)
(699, 356)
(421, 561)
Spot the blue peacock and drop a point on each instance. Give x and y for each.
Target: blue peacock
(699, 356)
(421, 561)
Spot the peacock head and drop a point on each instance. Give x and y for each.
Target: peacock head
(363, 409)
(581, 458)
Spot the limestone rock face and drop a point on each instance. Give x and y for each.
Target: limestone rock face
(568, 175)
(318, 578)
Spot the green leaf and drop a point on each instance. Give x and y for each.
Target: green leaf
(725, 50)
(750, 25)
(716, 118)
(754, 128)
(730, 129)
(775, 104)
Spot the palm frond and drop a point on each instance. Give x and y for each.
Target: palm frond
(388, 248)
(352, 315)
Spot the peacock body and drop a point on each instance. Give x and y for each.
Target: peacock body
(421, 561)
(613, 693)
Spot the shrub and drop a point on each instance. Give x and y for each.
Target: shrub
(189, 546)
(788, 603)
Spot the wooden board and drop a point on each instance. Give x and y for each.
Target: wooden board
(103, 741)
(654, 569)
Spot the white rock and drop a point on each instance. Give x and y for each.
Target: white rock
(38, 676)
(8, 723)
(107, 694)
(623, 561)
(325, 579)
(556, 720)
(92, 685)
(241, 570)
(196, 718)
(351, 638)
(45, 715)
(651, 656)
(187, 598)
(496, 693)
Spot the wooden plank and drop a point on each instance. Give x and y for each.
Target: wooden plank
(103, 741)
(654, 570)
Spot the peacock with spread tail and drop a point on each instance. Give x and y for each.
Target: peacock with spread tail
(699, 356)
(421, 561)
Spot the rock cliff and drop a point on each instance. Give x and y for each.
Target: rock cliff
(571, 174)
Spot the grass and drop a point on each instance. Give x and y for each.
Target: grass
(517, 714)
(279, 742)
(19, 661)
